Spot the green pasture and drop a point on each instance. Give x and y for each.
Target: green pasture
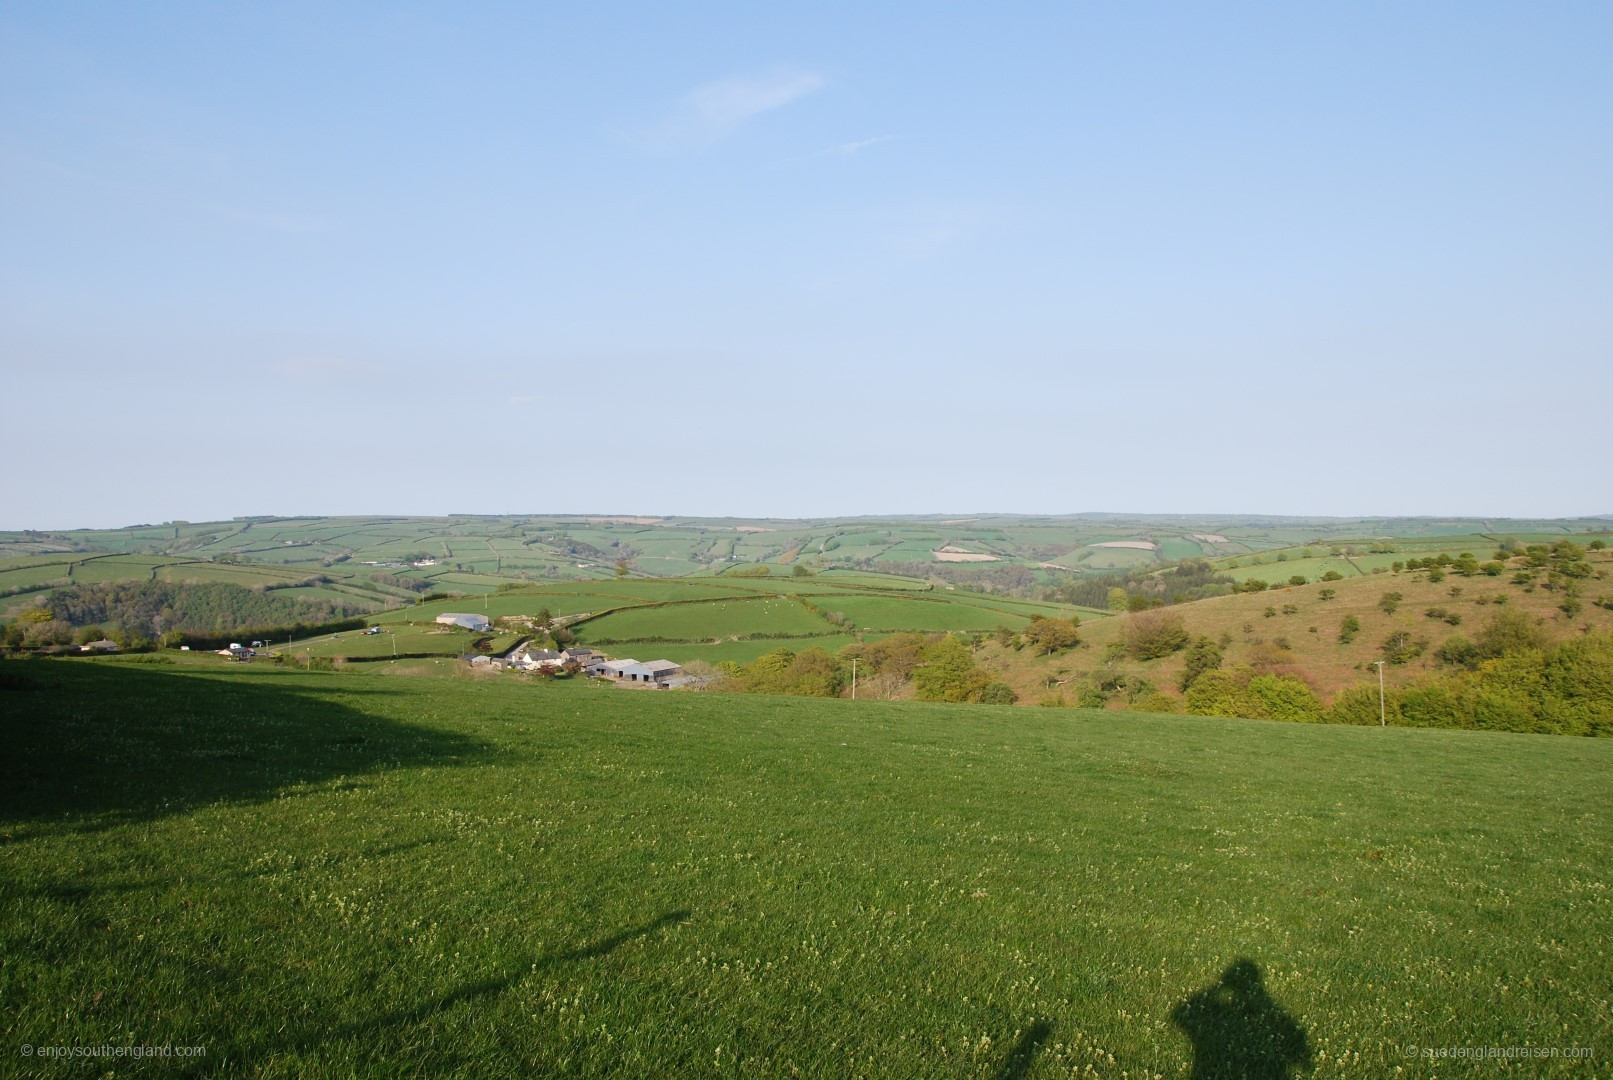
(646, 590)
(1313, 569)
(33, 574)
(215, 573)
(115, 568)
(429, 638)
(875, 581)
(358, 874)
(1177, 547)
(901, 613)
(705, 620)
(1091, 558)
(743, 651)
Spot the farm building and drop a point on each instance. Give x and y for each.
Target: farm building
(103, 645)
(533, 658)
(652, 671)
(469, 622)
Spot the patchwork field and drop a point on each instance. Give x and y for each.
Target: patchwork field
(351, 874)
(758, 616)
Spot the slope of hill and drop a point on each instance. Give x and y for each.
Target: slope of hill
(1296, 630)
(323, 875)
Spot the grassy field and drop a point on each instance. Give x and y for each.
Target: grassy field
(358, 875)
(742, 651)
(901, 613)
(706, 619)
(415, 640)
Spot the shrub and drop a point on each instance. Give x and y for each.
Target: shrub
(1510, 631)
(1349, 626)
(1204, 655)
(949, 673)
(1150, 635)
(1279, 697)
(998, 693)
(1051, 635)
(1359, 705)
(1458, 652)
(1401, 648)
(1332, 575)
(1389, 602)
(1156, 701)
(1220, 693)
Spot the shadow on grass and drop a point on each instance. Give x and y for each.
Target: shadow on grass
(1239, 1033)
(366, 1031)
(1024, 1052)
(94, 745)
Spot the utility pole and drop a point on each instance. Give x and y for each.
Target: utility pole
(854, 678)
(1382, 715)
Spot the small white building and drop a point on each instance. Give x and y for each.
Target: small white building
(469, 622)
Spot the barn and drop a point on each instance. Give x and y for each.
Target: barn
(469, 622)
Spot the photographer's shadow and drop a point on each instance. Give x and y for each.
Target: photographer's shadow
(1238, 1031)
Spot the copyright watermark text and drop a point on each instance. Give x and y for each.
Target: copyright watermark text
(1499, 1053)
(108, 1050)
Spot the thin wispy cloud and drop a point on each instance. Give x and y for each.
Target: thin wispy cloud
(711, 113)
(850, 148)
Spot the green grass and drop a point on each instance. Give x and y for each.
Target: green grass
(739, 651)
(353, 874)
(31, 576)
(421, 639)
(707, 620)
(900, 613)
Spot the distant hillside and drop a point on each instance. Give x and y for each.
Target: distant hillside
(1296, 629)
(470, 554)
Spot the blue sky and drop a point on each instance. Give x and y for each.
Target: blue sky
(800, 260)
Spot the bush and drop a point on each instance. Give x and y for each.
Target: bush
(1389, 602)
(1510, 631)
(1349, 626)
(1051, 635)
(1459, 652)
(1332, 575)
(812, 673)
(1220, 693)
(1155, 701)
(1401, 648)
(1359, 705)
(998, 693)
(948, 673)
(1279, 697)
(1204, 655)
(1151, 635)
